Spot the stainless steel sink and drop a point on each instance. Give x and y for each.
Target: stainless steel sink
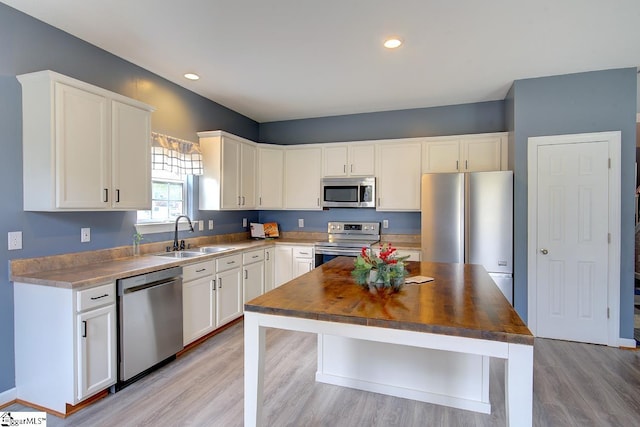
(180, 254)
(213, 249)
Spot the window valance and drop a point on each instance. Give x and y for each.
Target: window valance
(175, 155)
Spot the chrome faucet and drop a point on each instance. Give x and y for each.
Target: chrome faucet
(179, 246)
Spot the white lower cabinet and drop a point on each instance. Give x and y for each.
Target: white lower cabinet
(291, 262)
(414, 255)
(78, 330)
(253, 274)
(229, 300)
(303, 260)
(96, 350)
(198, 300)
(269, 269)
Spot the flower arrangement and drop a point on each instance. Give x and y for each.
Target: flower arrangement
(380, 270)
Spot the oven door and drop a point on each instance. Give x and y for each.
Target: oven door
(326, 254)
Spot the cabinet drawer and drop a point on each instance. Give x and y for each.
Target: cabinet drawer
(96, 297)
(228, 262)
(253, 256)
(303, 252)
(196, 271)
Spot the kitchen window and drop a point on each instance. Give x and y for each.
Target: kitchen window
(168, 198)
(173, 160)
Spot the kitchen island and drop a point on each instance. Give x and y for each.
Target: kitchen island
(444, 332)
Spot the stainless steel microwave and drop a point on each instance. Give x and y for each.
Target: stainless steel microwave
(349, 192)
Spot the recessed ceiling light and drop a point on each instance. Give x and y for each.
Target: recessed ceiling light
(192, 76)
(392, 43)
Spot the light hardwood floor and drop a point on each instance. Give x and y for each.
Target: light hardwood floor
(574, 385)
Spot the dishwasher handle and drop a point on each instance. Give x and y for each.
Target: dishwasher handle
(151, 285)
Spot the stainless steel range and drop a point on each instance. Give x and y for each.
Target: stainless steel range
(346, 239)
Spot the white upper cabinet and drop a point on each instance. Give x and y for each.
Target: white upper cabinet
(131, 162)
(302, 176)
(229, 180)
(270, 178)
(84, 148)
(349, 160)
(399, 171)
(468, 153)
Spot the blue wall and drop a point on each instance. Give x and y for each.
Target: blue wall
(576, 103)
(28, 45)
(462, 119)
(399, 222)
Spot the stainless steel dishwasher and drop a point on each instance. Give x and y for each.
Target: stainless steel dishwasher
(149, 322)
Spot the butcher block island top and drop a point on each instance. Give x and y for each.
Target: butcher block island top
(462, 301)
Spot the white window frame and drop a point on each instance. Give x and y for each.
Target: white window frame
(152, 226)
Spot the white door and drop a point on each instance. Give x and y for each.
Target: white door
(572, 241)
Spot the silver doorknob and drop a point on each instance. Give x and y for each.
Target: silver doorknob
(544, 251)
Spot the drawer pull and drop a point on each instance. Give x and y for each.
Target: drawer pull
(101, 296)
(304, 253)
(255, 256)
(231, 262)
(201, 270)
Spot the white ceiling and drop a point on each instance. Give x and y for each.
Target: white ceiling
(288, 59)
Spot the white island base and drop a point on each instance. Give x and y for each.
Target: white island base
(454, 379)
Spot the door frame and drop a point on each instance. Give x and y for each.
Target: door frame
(613, 140)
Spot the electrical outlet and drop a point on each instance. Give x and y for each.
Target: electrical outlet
(244, 222)
(301, 223)
(85, 235)
(210, 224)
(200, 225)
(15, 240)
(385, 223)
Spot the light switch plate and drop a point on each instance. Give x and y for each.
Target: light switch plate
(385, 223)
(210, 224)
(200, 225)
(15, 240)
(85, 235)
(301, 222)
(244, 222)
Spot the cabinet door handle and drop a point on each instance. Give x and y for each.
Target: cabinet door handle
(344, 168)
(101, 296)
(106, 194)
(220, 283)
(351, 170)
(457, 165)
(239, 199)
(260, 200)
(466, 164)
(246, 274)
(84, 329)
(379, 204)
(243, 202)
(201, 270)
(213, 283)
(267, 254)
(318, 201)
(117, 195)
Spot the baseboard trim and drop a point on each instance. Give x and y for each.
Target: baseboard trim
(8, 397)
(626, 343)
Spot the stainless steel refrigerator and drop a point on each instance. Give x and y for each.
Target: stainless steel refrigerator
(468, 218)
